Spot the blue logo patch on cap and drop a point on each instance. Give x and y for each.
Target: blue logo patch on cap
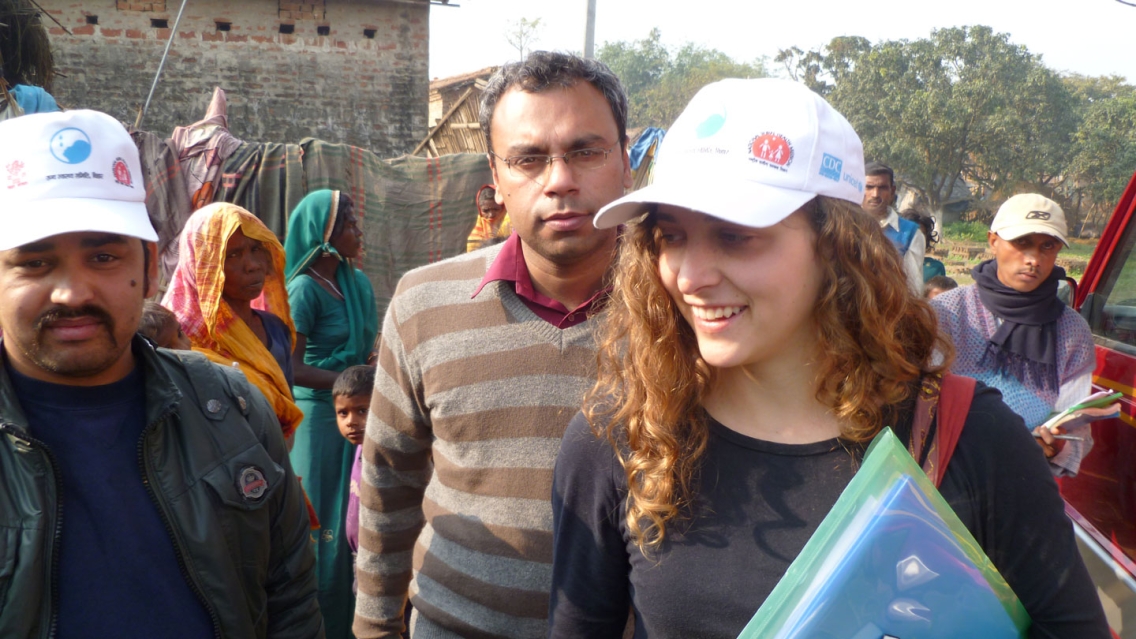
(710, 126)
(71, 146)
(830, 167)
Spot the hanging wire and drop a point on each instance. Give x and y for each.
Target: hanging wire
(161, 65)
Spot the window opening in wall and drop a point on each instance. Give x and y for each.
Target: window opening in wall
(369, 34)
(159, 23)
(287, 28)
(92, 19)
(224, 26)
(323, 30)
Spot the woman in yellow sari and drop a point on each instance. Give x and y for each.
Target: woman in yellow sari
(228, 294)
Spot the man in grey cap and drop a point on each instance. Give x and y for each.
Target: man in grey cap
(145, 493)
(1012, 332)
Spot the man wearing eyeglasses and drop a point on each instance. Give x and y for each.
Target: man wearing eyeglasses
(484, 359)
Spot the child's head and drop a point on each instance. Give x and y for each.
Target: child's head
(352, 396)
(161, 326)
(938, 285)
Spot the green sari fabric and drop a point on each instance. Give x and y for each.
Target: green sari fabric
(309, 237)
(339, 333)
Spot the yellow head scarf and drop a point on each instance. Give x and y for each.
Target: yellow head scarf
(195, 296)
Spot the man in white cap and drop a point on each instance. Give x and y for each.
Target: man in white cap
(145, 493)
(1012, 332)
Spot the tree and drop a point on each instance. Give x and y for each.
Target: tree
(522, 35)
(962, 106)
(660, 82)
(1104, 146)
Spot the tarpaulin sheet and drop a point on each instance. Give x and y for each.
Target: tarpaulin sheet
(413, 210)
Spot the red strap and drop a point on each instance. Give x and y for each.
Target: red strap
(954, 405)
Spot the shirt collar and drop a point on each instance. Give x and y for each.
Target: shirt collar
(891, 220)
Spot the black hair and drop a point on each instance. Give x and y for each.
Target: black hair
(941, 282)
(155, 318)
(878, 168)
(355, 380)
(543, 70)
(925, 222)
(346, 205)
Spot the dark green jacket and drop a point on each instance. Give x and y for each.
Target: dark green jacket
(244, 552)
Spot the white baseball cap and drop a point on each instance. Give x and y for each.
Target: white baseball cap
(1030, 213)
(750, 152)
(69, 172)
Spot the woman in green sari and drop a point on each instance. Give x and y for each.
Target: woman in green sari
(333, 308)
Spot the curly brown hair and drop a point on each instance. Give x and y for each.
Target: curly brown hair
(875, 339)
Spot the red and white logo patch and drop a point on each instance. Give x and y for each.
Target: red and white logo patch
(17, 176)
(121, 173)
(252, 484)
(771, 149)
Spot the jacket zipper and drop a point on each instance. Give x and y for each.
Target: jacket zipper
(189, 578)
(58, 534)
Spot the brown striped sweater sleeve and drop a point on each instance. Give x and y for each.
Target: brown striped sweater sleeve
(471, 400)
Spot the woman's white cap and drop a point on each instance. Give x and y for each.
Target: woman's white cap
(69, 172)
(750, 152)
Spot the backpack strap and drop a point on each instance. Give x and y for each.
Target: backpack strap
(950, 396)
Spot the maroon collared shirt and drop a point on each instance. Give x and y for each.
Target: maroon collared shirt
(510, 267)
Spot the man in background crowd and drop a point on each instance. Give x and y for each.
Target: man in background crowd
(879, 196)
(1012, 332)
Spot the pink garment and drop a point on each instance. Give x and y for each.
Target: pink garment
(203, 148)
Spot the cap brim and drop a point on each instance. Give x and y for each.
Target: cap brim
(749, 204)
(1018, 230)
(78, 215)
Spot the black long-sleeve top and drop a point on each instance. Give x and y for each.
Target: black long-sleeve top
(759, 502)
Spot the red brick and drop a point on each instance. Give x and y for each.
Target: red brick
(135, 33)
(84, 30)
(187, 35)
(110, 33)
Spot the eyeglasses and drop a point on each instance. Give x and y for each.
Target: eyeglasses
(535, 167)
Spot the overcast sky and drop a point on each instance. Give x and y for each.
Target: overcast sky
(1089, 37)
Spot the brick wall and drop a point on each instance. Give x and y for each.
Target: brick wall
(353, 71)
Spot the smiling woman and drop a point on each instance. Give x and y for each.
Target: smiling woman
(760, 333)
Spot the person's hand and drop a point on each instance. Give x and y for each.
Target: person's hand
(1049, 444)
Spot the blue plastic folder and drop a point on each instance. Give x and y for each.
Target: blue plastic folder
(890, 560)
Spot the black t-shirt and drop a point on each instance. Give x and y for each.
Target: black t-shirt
(759, 502)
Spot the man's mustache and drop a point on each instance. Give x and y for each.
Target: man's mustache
(65, 313)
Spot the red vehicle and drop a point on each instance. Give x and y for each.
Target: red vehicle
(1101, 499)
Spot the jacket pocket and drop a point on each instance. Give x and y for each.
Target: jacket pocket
(247, 480)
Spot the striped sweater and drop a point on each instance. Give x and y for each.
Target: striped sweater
(472, 398)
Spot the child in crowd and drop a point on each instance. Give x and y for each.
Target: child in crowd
(938, 285)
(160, 325)
(352, 397)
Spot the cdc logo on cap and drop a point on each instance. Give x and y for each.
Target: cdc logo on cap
(68, 172)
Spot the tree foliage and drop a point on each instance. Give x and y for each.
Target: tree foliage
(1104, 145)
(522, 35)
(660, 82)
(967, 112)
(963, 104)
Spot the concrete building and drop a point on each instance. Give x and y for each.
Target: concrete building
(352, 71)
